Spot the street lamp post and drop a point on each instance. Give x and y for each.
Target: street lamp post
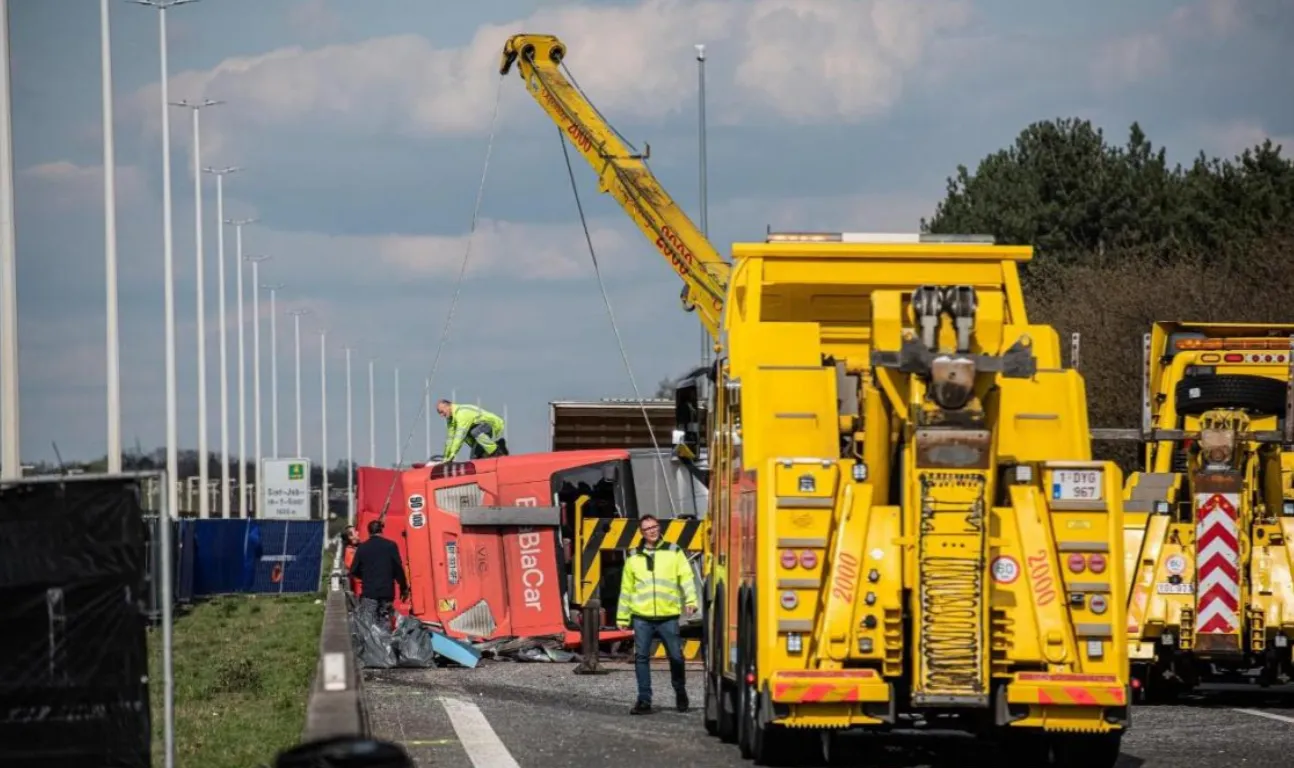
(350, 451)
(701, 163)
(112, 346)
(172, 461)
(204, 495)
(274, 369)
(10, 460)
(296, 331)
(397, 418)
(426, 410)
(256, 360)
(323, 424)
(238, 225)
(168, 279)
(372, 419)
(220, 174)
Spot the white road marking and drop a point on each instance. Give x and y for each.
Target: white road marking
(479, 740)
(1269, 715)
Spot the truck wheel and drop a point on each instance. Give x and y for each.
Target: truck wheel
(1025, 746)
(777, 745)
(725, 695)
(1197, 394)
(711, 716)
(1088, 750)
(747, 713)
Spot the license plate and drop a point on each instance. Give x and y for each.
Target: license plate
(451, 561)
(1077, 484)
(1164, 588)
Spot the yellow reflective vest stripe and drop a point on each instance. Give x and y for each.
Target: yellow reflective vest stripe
(656, 583)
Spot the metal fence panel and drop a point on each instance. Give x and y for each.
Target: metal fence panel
(73, 653)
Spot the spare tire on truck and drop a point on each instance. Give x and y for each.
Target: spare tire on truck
(1257, 394)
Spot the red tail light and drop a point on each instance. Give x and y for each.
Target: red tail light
(788, 558)
(1076, 563)
(1233, 357)
(808, 558)
(1096, 563)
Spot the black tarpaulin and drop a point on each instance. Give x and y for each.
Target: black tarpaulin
(73, 654)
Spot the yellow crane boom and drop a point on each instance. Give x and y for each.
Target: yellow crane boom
(623, 174)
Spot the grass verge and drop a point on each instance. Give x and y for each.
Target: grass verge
(243, 666)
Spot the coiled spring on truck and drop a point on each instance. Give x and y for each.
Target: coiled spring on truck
(952, 589)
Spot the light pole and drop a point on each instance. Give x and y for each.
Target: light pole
(112, 346)
(10, 461)
(701, 163)
(274, 369)
(350, 452)
(372, 419)
(296, 330)
(172, 462)
(220, 174)
(426, 410)
(168, 278)
(256, 360)
(204, 496)
(323, 424)
(238, 225)
(397, 417)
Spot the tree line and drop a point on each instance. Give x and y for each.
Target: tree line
(1122, 239)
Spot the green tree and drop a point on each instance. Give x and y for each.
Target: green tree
(1063, 189)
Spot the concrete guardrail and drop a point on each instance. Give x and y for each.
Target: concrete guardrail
(336, 703)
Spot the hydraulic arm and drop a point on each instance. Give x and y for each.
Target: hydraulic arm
(623, 174)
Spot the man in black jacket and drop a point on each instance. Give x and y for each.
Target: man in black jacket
(377, 565)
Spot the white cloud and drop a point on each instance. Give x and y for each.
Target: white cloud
(1131, 59)
(1148, 54)
(1229, 138)
(799, 60)
(62, 184)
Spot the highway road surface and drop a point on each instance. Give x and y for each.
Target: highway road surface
(537, 715)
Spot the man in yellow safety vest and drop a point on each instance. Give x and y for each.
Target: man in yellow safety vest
(655, 588)
(473, 426)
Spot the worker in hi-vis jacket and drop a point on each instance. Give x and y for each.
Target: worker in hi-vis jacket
(473, 425)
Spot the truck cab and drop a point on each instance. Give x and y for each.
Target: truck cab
(1210, 517)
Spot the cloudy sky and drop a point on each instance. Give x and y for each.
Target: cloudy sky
(362, 130)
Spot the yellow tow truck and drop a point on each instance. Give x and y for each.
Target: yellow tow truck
(906, 525)
(1210, 519)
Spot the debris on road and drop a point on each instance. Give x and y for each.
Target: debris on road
(411, 645)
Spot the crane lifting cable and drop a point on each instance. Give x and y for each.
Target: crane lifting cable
(611, 315)
(453, 305)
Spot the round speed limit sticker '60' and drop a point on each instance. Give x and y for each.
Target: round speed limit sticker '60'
(1005, 569)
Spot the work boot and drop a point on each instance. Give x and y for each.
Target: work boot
(680, 701)
(641, 708)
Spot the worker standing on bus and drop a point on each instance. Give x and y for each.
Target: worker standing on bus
(655, 588)
(474, 426)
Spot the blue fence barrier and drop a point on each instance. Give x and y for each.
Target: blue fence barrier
(279, 556)
(291, 556)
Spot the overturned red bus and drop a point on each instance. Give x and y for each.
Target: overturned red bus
(489, 544)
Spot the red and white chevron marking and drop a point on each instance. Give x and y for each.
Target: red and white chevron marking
(1217, 559)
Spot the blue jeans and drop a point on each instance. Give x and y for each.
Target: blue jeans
(667, 630)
